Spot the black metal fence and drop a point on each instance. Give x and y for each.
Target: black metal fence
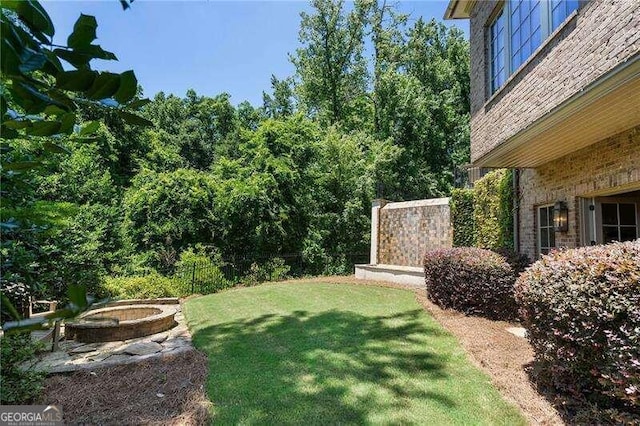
(208, 276)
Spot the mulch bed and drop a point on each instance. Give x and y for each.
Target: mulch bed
(167, 391)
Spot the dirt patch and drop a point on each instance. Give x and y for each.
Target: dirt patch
(489, 346)
(167, 391)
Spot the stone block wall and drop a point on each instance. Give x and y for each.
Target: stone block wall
(604, 168)
(406, 230)
(602, 35)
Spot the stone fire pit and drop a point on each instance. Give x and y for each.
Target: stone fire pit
(121, 323)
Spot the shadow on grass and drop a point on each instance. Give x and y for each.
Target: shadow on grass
(329, 367)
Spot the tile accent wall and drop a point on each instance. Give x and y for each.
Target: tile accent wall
(408, 229)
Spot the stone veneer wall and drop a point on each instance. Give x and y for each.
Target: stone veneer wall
(603, 34)
(408, 229)
(599, 168)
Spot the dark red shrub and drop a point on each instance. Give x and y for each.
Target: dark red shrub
(471, 280)
(582, 310)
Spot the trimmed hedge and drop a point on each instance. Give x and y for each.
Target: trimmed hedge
(471, 280)
(462, 217)
(582, 310)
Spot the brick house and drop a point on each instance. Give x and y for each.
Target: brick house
(555, 95)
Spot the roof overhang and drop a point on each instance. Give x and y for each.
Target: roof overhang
(459, 9)
(608, 106)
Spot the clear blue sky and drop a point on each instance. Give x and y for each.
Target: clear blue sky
(210, 46)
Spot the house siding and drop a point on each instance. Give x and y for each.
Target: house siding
(605, 165)
(602, 35)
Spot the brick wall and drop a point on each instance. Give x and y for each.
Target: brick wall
(598, 168)
(408, 229)
(604, 34)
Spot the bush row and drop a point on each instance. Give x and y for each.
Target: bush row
(582, 310)
(471, 280)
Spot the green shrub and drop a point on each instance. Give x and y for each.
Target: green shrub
(18, 386)
(493, 208)
(462, 217)
(471, 280)
(143, 287)
(582, 310)
(199, 272)
(271, 270)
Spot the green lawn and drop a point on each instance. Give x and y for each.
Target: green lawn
(336, 354)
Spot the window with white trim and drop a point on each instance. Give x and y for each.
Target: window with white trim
(546, 234)
(619, 222)
(518, 29)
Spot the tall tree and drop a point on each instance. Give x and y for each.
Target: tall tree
(385, 25)
(281, 103)
(330, 67)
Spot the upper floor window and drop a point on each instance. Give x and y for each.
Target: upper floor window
(498, 67)
(560, 9)
(518, 29)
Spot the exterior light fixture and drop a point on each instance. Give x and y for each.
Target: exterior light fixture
(560, 217)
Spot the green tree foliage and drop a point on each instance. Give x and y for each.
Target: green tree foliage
(420, 87)
(41, 105)
(164, 212)
(280, 104)
(330, 66)
(295, 175)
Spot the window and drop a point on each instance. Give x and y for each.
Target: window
(619, 222)
(525, 30)
(546, 235)
(518, 29)
(560, 9)
(498, 71)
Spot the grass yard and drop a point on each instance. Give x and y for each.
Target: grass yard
(336, 354)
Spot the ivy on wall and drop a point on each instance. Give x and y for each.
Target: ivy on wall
(462, 218)
(482, 216)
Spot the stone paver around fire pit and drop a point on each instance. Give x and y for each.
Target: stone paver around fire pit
(73, 356)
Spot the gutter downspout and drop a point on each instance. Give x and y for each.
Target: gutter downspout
(516, 210)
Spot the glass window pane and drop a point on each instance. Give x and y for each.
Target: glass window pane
(558, 17)
(610, 233)
(627, 214)
(544, 237)
(571, 6)
(552, 238)
(497, 53)
(609, 214)
(544, 218)
(560, 9)
(535, 17)
(525, 29)
(628, 233)
(536, 39)
(526, 51)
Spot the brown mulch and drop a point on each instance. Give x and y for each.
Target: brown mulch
(497, 352)
(167, 391)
